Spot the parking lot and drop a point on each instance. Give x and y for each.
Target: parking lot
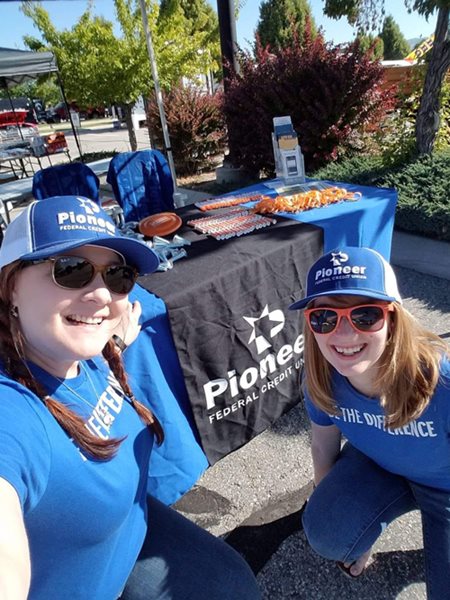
(97, 135)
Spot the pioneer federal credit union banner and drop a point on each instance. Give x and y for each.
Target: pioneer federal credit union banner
(239, 346)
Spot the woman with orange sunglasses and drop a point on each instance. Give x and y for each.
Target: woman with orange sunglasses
(376, 377)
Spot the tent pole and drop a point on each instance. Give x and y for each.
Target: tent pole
(159, 98)
(75, 135)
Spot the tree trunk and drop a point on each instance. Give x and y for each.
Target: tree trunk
(129, 123)
(427, 122)
(151, 136)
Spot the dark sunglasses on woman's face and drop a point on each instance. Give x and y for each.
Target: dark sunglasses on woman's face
(76, 272)
(364, 317)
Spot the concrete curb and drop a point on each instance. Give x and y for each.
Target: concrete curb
(421, 254)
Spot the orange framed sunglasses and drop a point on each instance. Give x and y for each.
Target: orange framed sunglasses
(363, 317)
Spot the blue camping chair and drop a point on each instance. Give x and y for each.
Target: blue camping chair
(142, 183)
(74, 179)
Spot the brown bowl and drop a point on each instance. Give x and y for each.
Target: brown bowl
(160, 224)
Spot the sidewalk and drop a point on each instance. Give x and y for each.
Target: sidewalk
(421, 254)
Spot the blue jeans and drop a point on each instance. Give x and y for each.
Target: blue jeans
(357, 500)
(181, 561)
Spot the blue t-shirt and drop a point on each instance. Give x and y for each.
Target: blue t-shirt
(85, 519)
(419, 451)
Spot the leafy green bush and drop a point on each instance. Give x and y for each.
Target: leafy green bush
(365, 170)
(422, 185)
(196, 128)
(424, 202)
(328, 94)
(443, 136)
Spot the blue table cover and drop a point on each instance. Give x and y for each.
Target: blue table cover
(365, 222)
(155, 377)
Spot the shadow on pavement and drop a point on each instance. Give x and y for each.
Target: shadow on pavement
(257, 543)
(295, 572)
(433, 291)
(287, 568)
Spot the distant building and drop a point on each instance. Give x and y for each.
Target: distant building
(400, 73)
(403, 74)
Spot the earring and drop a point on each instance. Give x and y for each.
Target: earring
(14, 311)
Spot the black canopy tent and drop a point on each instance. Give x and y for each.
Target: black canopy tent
(18, 66)
(227, 28)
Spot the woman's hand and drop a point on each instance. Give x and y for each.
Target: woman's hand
(128, 327)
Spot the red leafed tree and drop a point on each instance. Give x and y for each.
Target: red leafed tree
(328, 93)
(197, 129)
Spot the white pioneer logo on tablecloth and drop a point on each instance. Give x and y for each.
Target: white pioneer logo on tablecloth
(237, 389)
(275, 316)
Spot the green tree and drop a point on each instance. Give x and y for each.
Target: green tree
(199, 13)
(374, 43)
(96, 66)
(278, 19)
(366, 14)
(395, 44)
(202, 22)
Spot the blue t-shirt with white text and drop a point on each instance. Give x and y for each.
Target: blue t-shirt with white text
(419, 451)
(85, 519)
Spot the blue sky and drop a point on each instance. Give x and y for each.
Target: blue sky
(64, 14)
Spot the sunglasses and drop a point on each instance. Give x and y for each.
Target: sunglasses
(75, 272)
(364, 317)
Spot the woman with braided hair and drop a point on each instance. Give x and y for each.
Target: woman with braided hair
(75, 518)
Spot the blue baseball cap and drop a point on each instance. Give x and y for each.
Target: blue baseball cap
(54, 225)
(351, 271)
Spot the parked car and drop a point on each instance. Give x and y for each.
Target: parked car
(10, 132)
(59, 112)
(34, 108)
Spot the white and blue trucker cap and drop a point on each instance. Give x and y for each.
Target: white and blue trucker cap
(351, 271)
(55, 225)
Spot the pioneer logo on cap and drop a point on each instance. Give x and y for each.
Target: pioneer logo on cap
(338, 257)
(85, 218)
(339, 270)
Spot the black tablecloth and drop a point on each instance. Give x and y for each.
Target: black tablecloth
(240, 349)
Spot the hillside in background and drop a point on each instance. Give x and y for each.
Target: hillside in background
(414, 41)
